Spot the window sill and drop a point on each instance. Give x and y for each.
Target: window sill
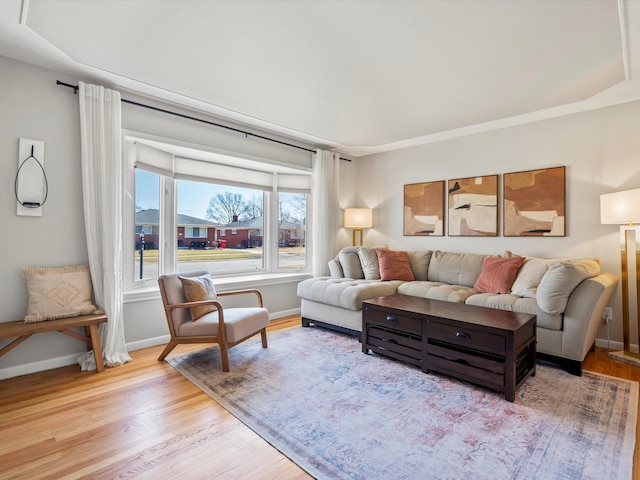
(223, 284)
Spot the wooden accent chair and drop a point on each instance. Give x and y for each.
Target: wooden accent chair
(224, 325)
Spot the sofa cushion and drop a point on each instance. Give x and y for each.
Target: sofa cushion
(344, 292)
(518, 304)
(419, 261)
(455, 268)
(394, 265)
(369, 263)
(498, 274)
(350, 263)
(559, 281)
(437, 291)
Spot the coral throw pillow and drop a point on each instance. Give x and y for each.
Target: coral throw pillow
(394, 265)
(197, 289)
(498, 274)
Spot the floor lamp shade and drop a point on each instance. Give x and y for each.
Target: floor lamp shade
(623, 208)
(620, 208)
(358, 219)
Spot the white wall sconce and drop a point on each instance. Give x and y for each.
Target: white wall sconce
(31, 187)
(358, 219)
(623, 208)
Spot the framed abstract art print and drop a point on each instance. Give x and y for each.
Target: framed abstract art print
(473, 206)
(534, 203)
(424, 209)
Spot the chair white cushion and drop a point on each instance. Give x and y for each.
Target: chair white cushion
(239, 323)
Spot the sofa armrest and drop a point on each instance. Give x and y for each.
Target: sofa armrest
(583, 315)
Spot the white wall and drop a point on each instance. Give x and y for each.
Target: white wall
(33, 106)
(601, 150)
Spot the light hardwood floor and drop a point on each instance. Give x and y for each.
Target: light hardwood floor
(145, 420)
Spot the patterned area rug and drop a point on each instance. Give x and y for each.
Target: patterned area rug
(341, 414)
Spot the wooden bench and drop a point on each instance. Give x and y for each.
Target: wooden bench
(88, 322)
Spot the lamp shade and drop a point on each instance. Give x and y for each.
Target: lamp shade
(358, 217)
(620, 207)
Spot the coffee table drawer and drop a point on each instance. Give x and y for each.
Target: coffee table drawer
(390, 319)
(395, 344)
(485, 362)
(467, 337)
(469, 373)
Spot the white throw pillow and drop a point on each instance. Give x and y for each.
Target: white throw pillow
(560, 280)
(530, 275)
(350, 262)
(369, 263)
(335, 269)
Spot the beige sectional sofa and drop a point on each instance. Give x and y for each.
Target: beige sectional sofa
(568, 296)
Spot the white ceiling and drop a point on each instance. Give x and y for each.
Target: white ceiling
(354, 75)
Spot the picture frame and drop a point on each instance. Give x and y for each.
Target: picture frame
(424, 209)
(473, 206)
(534, 203)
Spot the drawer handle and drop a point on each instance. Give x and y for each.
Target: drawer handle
(392, 319)
(462, 335)
(389, 340)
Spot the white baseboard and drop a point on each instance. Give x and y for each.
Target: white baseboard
(614, 345)
(284, 313)
(65, 360)
(34, 367)
(148, 342)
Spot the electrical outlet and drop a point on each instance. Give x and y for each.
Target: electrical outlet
(607, 316)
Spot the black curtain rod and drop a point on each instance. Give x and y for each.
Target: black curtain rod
(188, 117)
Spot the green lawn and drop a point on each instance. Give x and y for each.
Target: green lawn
(217, 254)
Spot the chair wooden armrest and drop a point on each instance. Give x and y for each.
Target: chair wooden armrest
(243, 292)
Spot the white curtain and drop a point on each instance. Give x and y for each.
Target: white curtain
(326, 212)
(102, 183)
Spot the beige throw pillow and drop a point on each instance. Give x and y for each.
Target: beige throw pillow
(530, 275)
(369, 263)
(59, 292)
(350, 263)
(560, 280)
(197, 289)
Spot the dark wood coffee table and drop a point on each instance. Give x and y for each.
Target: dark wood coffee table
(489, 347)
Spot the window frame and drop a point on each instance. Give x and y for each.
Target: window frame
(167, 243)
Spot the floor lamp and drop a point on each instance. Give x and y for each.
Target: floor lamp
(623, 208)
(357, 219)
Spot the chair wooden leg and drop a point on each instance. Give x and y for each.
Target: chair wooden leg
(170, 346)
(224, 353)
(263, 334)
